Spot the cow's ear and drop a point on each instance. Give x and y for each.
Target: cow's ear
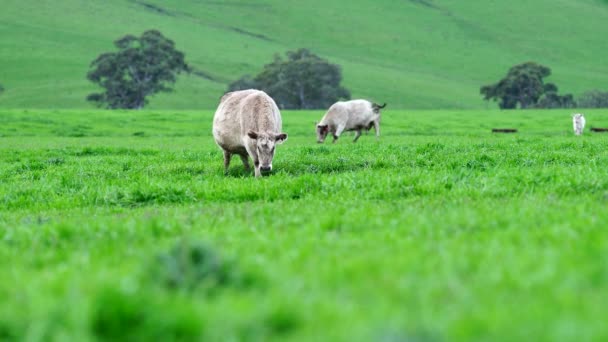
(252, 134)
(280, 138)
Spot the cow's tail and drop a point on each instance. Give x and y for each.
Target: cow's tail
(377, 107)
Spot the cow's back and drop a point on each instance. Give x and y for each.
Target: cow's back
(227, 121)
(360, 112)
(336, 114)
(259, 113)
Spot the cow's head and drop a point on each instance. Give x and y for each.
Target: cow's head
(265, 144)
(322, 131)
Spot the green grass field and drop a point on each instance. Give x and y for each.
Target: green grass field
(432, 54)
(122, 222)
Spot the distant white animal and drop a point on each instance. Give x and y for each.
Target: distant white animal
(578, 122)
(354, 115)
(248, 123)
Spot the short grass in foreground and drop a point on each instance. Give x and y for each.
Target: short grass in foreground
(117, 223)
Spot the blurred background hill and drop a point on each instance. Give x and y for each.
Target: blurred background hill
(409, 53)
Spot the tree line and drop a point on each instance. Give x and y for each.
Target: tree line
(524, 87)
(149, 64)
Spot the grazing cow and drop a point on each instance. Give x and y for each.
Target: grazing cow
(354, 115)
(578, 121)
(248, 123)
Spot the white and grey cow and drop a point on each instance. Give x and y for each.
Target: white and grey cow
(354, 115)
(578, 122)
(248, 123)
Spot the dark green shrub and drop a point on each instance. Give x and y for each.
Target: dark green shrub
(194, 265)
(593, 99)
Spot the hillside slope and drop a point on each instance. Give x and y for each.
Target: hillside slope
(411, 54)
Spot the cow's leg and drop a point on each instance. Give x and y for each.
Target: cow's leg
(377, 128)
(251, 150)
(227, 156)
(338, 131)
(245, 159)
(357, 135)
(256, 164)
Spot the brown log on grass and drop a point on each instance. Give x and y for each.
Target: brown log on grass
(504, 130)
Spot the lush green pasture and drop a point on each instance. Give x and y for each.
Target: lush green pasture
(411, 54)
(440, 231)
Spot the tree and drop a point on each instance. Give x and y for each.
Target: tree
(1, 89)
(554, 100)
(143, 66)
(302, 81)
(593, 99)
(522, 85)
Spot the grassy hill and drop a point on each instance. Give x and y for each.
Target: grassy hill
(411, 54)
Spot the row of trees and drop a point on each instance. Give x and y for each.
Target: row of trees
(593, 99)
(524, 86)
(149, 64)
